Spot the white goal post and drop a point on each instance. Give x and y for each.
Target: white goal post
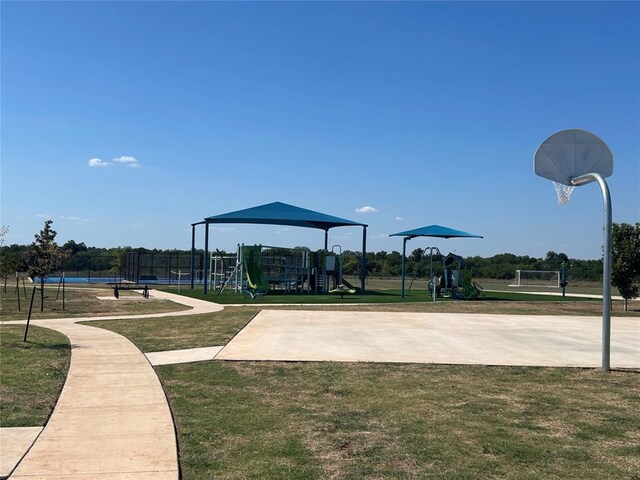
(537, 278)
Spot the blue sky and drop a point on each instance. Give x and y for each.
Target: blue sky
(126, 122)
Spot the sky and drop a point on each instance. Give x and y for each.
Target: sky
(126, 122)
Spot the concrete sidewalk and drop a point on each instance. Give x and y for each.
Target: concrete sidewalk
(112, 420)
(534, 340)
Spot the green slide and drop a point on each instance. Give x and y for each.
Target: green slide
(256, 280)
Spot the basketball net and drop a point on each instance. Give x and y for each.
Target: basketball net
(564, 192)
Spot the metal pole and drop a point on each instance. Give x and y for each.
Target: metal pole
(326, 238)
(18, 290)
(606, 264)
(26, 328)
(206, 256)
(193, 255)
(404, 253)
(363, 271)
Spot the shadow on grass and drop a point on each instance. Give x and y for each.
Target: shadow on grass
(41, 346)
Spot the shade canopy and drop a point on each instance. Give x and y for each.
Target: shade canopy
(429, 231)
(435, 231)
(278, 213)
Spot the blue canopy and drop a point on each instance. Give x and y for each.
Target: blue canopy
(435, 231)
(278, 213)
(428, 231)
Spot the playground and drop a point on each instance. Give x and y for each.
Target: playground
(375, 385)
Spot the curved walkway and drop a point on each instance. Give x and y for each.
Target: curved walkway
(112, 420)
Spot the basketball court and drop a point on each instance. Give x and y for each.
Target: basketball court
(472, 339)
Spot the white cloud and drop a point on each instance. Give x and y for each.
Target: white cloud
(128, 161)
(399, 218)
(366, 209)
(98, 162)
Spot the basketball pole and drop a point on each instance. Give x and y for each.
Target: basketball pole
(606, 267)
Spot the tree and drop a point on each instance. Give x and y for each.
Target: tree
(625, 259)
(72, 247)
(117, 264)
(44, 257)
(5, 265)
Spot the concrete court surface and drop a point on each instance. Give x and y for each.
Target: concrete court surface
(484, 339)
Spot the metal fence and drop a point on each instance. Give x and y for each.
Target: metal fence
(161, 267)
(88, 266)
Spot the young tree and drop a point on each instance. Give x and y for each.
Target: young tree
(44, 257)
(625, 265)
(5, 267)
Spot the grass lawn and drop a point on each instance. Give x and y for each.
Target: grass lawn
(270, 420)
(295, 420)
(371, 296)
(79, 301)
(33, 374)
(174, 333)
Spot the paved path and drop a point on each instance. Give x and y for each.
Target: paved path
(112, 420)
(14, 443)
(188, 355)
(449, 338)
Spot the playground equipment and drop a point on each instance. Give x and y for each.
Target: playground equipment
(257, 284)
(259, 269)
(429, 231)
(340, 287)
(456, 281)
(571, 158)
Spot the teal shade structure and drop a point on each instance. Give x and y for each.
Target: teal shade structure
(278, 213)
(437, 231)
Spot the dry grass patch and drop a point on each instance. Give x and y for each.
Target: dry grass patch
(80, 301)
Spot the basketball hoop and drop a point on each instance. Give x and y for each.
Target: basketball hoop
(571, 158)
(564, 192)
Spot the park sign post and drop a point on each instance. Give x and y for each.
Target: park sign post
(571, 158)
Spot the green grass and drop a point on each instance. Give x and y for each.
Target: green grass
(249, 420)
(33, 374)
(174, 333)
(372, 296)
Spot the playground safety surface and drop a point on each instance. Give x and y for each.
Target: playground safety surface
(448, 338)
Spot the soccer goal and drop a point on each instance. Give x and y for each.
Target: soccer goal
(537, 278)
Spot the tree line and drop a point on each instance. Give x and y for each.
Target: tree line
(379, 264)
(625, 275)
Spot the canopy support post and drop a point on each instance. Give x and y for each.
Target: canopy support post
(326, 238)
(206, 257)
(363, 270)
(193, 254)
(404, 254)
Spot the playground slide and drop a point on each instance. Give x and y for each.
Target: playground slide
(349, 287)
(256, 281)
